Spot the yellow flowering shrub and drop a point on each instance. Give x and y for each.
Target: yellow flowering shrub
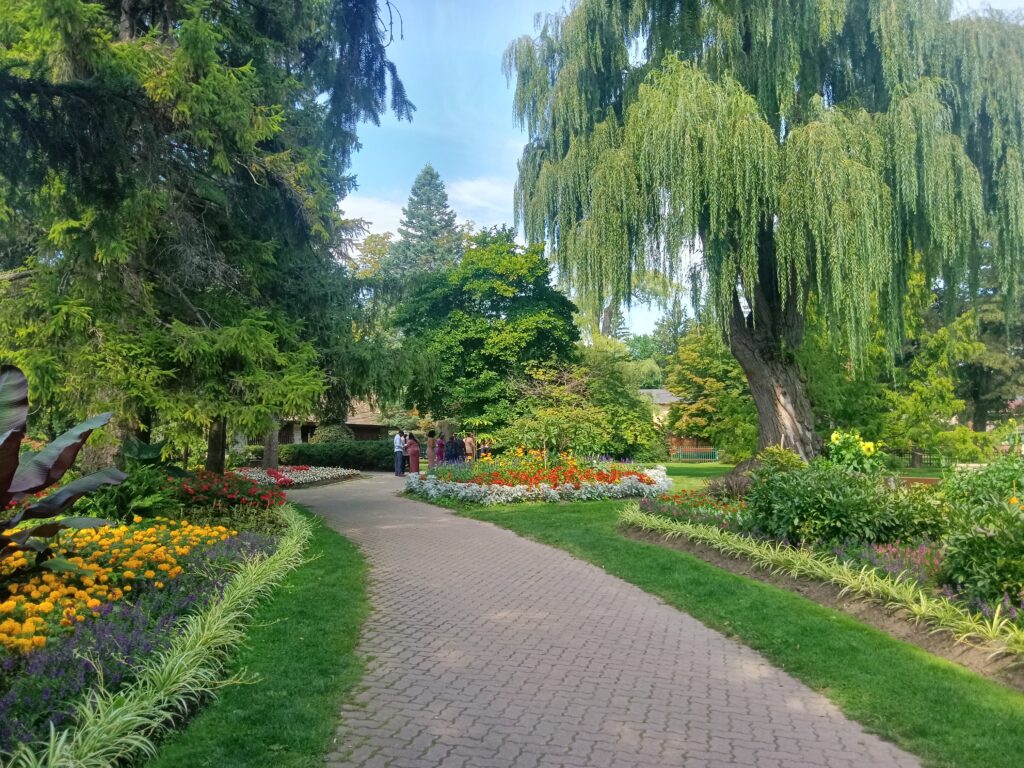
(112, 560)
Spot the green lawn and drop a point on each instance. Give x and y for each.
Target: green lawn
(935, 709)
(686, 477)
(301, 650)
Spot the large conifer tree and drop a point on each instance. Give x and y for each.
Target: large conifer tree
(805, 149)
(429, 239)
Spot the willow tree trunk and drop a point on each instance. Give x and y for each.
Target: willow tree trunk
(763, 339)
(216, 443)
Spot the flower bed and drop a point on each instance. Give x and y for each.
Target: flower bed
(296, 476)
(62, 634)
(525, 476)
(114, 726)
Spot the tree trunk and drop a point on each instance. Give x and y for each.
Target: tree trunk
(607, 317)
(980, 421)
(216, 442)
(126, 26)
(763, 339)
(271, 452)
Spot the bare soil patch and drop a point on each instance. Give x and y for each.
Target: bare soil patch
(1002, 670)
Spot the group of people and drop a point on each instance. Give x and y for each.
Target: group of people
(440, 450)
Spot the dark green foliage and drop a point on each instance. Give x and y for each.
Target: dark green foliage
(985, 551)
(331, 433)
(146, 492)
(22, 476)
(992, 484)
(373, 455)
(985, 557)
(428, 238)
(485, 323)
(822, 503)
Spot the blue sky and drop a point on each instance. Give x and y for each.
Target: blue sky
(450, 62)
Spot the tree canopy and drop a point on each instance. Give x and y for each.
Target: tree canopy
(803, 149)
(484, 323)
(169, 196)
(428, 238)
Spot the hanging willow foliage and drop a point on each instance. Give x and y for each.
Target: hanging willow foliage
(837, 138)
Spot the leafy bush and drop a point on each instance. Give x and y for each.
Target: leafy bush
(776, 459)
(827, 503)
(985, 559)
(735, 485)
(377, 455)
(969, 489)
(331, 433)
(146, 492)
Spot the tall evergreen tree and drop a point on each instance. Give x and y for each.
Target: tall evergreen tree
(429, 239)
(168, 194)
(804, 148)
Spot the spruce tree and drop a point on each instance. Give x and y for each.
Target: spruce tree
(429, 239)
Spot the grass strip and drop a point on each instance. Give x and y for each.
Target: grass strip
(947, 715)
(998, 634)
(301, 653)
(121, 726)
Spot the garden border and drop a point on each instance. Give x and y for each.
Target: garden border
(997, 634)
(111, 727)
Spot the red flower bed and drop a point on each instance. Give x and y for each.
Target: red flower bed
(210, 489)
(558, 476)
(698, 507)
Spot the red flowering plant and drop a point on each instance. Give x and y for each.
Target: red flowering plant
(699, 507)
(213, 491)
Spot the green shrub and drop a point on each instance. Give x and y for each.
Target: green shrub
(829, 504)
(376, 455)
(977, 489)
(145, 492)
(985, 558)
(776, 459)
(331, 433)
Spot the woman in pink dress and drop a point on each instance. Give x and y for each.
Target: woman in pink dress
(414, 454)
(439, 448)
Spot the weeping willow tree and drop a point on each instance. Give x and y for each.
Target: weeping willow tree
(806, 150)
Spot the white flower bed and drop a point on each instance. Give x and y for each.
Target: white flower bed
(629, 487)
(298, 477)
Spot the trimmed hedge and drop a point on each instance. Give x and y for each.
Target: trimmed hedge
(377, 455)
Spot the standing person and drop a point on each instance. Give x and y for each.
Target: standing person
(412, 445)
(451, 452)
(431, 448)
(470, 447)
(485, 447)
(399, 453)
(439, 449)
(405, 453)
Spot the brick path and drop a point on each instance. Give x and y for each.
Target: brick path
(490, 650)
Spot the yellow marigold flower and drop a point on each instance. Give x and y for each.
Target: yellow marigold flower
(8, 606)
(38, 641)
(1014, 500)
(149, 574)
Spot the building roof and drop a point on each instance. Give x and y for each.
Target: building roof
(361, 413)
(660, 396)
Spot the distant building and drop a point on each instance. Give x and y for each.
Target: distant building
(662, 400)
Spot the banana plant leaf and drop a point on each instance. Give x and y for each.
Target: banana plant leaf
(57, 502)
(10, 442)
(13, 399)
(49, 465)
(48, 530)
(60, 565)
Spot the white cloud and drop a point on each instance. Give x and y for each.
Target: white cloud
(486, 200)
(382, 215)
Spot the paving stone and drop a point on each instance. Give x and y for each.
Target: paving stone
(486, 649)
